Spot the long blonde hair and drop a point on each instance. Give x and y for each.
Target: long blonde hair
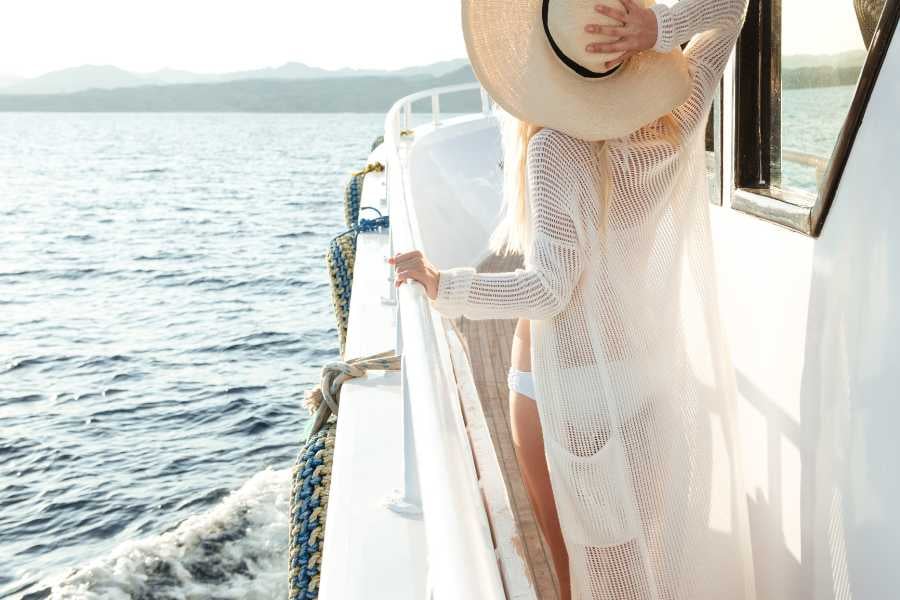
(512, 234)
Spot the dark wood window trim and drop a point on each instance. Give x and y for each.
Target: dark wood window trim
(757, 130)
(881, 41)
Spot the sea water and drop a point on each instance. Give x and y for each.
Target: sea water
(164, 304)
(811, 120)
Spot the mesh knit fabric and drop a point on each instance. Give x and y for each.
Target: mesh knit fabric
(633, 373)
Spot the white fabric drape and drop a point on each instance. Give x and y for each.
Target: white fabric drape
(634, 379)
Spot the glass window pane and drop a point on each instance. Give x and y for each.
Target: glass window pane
(823, 47)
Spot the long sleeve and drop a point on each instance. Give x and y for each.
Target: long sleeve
(712, 26)
(555, 178)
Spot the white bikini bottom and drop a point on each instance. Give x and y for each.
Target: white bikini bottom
(521, 382)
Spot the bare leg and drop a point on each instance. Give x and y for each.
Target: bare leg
(529, 445)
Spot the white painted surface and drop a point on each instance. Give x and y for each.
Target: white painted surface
(370, 551)
(455, 179)
(814, 330)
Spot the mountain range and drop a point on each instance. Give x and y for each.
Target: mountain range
(842, 60)
(295, 87)
(77, 79)
(357, 93)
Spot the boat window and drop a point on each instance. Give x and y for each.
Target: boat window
(798, 83)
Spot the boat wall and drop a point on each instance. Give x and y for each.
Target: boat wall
(814, 334)
(455, 182)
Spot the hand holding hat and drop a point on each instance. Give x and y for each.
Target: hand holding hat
(634, 30)
(532, 57)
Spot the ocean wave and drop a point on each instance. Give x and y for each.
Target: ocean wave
(236, 550)
(140, 345)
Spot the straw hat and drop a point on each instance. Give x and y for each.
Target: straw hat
(530, 57)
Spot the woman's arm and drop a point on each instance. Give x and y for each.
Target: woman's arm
(556, 180)
(712, 26)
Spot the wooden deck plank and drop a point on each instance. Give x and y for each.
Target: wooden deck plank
(489, 345)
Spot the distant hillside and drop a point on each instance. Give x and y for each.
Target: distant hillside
(811, 70)
(346, 94)
(73, 80)
(850, 58)
(816, 77)
(88, 77)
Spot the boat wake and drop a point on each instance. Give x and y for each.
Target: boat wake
(236, 550)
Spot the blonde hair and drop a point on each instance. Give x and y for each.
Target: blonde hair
(512, 233)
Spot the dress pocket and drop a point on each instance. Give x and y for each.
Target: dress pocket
(593, 495)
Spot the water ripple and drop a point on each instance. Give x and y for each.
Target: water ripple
(166, 305)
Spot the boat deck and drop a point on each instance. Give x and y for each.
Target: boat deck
(489, 343)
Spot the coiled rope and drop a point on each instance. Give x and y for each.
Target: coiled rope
(311, 474)
(353, 192)
(340, 259)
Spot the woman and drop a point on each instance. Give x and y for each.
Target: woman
(632, 395)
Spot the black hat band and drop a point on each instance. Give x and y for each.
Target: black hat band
(584, 72)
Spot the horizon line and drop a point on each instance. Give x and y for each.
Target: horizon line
(227, 72)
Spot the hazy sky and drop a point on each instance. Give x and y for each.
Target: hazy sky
(225, 35)
(37, 36)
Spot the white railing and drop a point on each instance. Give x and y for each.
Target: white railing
(804, 158)
(399, 118)
(819, 163)
(461, 558)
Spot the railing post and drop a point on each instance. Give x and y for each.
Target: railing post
(435, 109)
(485, 102)
(407, 500)
(391, 296)
(407, 115)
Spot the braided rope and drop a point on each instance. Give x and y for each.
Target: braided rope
(353, 192)
(311, 474)
(311, 482)
(340, 259)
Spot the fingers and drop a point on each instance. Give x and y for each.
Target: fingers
(634, 32)
(613, 13)
(612, 30)
(414, 274)
(617, 46)
(401, 256)
(617, 61)
(408, 265)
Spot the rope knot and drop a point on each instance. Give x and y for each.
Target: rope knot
(324, 400)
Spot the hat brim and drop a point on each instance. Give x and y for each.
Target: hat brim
(512, 58)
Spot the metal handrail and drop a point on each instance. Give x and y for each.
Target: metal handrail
(461, 561)
(398, 117)
(804, 158)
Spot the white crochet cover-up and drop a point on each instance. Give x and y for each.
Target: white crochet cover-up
(635, 385)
